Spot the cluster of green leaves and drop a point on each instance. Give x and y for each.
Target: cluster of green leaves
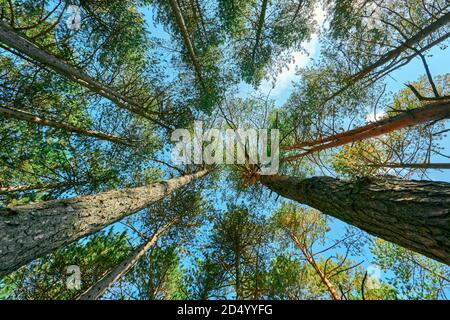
(32, 154)
(251, 257)
(263, 34)
(237, 253)
(210, 81)
(48, 277)
(414, 276)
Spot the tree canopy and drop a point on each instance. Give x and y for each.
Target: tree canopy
(93, 205)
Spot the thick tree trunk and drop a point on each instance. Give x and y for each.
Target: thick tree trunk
(431, 112)
(25, 116)
(412, 214)
(14, 40)
(98, 289)
(30, 231)
(186, 40)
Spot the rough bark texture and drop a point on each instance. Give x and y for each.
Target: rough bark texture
(412, 214)
(28, 117)
(14, 40)
(30, 231)
(98, 289)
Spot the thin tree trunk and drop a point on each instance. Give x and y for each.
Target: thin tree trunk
(31, 231)
(14, 40)
(412, 214)
(25, 116)
(98, 289)
(333, 293)
(186, 40)
(11, 189)
(262, 17)
(237, 267)
(202, 20)
(395, 53)
(431, 112)
(412, 165)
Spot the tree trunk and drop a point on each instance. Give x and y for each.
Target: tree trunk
(237, 269)
(333, 293)
(431, 112)
(186, 40)
(412, 214)
(395, 53)
(412, 165)
(25, 116)
(98, 289)
(14, 40)
(11, 189)
(262, 18)
(30, 231)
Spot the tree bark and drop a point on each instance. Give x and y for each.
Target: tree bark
(431, 112)
(412, 214)
(25, 116)
(98, 289)
(14, 40)
(186, 40)
(31, 231)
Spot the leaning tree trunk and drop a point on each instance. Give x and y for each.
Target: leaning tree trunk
(98, 289)
(14, 40)
(434, 111)
(186, 39)
(310, 258)
(393, 54)
(439, 166)
(261, 19)
(40, 186)
(28, 117)
(412, 214)
(30, 231)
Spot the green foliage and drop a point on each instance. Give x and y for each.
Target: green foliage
(158, 276)
(234, 257)
(308, 231)
(414, 276)
(343, 18)
(262, 50)
(215, 251)
(46, 278)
